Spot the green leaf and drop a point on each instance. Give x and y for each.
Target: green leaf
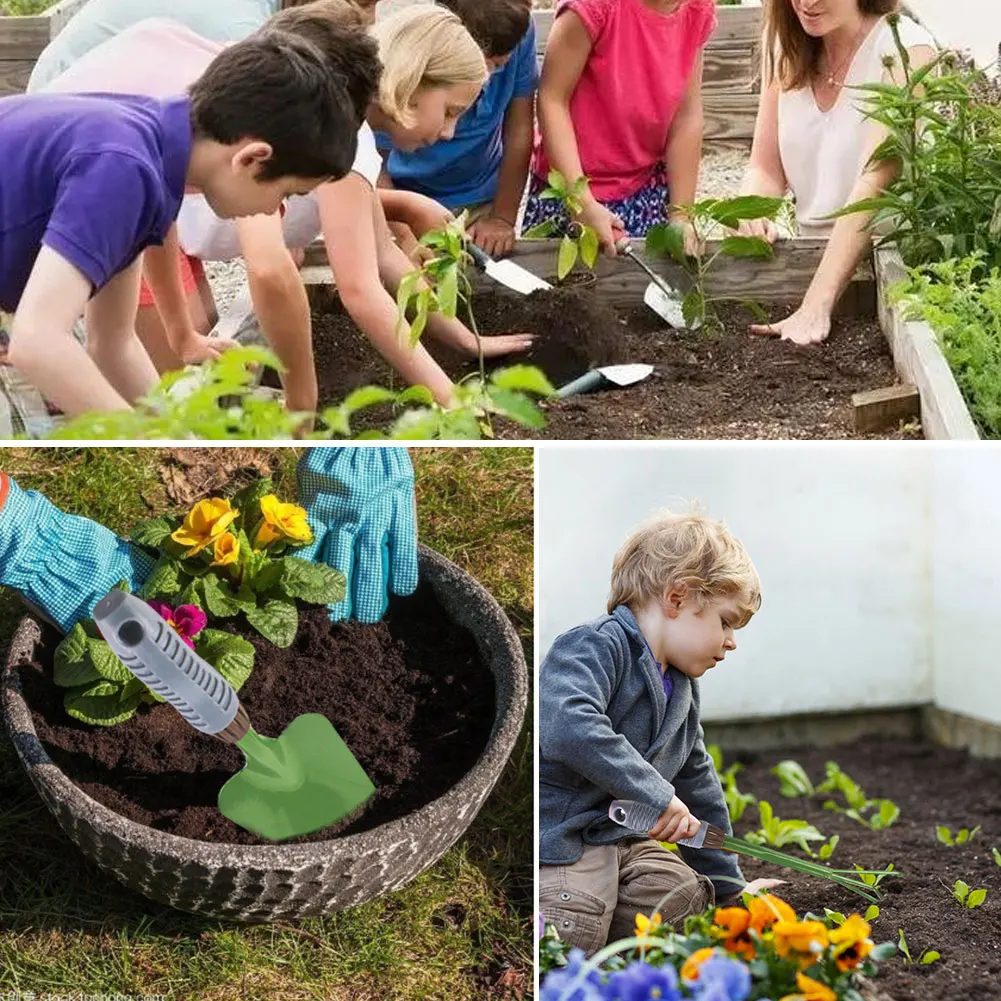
(960, 890)
(716, 753)
(666, 240)
(419, 395)
(220, 600)
(232, 656)
(316, 583)
(106, 663)
(523, 378)
(166, 579)
(836, 916)
(872, 913)
(557, 182)
(730, 211)
(944, 835)
(929, 957)
(746, 246)
(886, 950)
(826, 851)
(100, 704)
(997, 855)
(567, 257)
(367, 396)
(153, 531)
(71, 665)
(540, 231)
(976, 898)
(589, 246)
(516, 406)
(193, 594)
(901, 945)
(693, 307)
(793, 780)
(421, 319)
(888, 813)
(448, 290)
(248, 500)
(276, 620)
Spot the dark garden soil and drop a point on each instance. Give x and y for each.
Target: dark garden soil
(720, 385)
(933, 787)
(410, 696)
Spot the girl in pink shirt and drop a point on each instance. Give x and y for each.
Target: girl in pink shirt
(620, 102)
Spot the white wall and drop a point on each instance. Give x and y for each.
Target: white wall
(865, 555)
(965, 24)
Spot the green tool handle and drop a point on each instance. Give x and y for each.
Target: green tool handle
(583, 384)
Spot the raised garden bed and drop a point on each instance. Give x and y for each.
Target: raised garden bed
(933, 787)
(22, 40)
(703, 386)
(431, 701)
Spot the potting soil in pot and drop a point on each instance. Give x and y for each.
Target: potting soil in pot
(933, 787)
(410, 696)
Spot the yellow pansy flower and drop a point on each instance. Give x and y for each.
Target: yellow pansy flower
(802, 939)
(810, 990)
(851, 942)
(731, 926)
(204, 523)
(647, 926)
(281, 521)
(690, 970)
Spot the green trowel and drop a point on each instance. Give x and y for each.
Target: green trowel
(291, 785)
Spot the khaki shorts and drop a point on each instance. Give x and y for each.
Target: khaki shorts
(596, 899)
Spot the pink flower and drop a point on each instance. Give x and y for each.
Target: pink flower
(187, 620)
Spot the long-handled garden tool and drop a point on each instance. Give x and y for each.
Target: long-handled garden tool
(640, 817)
(303, 780)
(659, 296)
(617, 375)
(512, 275)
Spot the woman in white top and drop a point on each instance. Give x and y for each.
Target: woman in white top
(812, 137)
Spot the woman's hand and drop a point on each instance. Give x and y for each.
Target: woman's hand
(765, 229)
(808, 325)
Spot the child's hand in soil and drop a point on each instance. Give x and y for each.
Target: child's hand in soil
(61, 563)
(195, 348)
(499, 344)
(360, 504)
(675, 823)
(808, 325)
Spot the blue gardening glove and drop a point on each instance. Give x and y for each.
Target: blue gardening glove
(61, 563)
(360, 505)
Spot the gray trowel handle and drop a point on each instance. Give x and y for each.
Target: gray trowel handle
(640, 817)
(158, 657)
(625, 248)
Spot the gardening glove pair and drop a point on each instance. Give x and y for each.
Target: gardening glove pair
(61, 563)
(360, 504)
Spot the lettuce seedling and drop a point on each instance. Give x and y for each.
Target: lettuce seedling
(779, 833)
(874, 878)
(736, 801)
(963, 835)
(857, 802)
(927, 957)
(967, 897)
(997, 855)
(793, 780)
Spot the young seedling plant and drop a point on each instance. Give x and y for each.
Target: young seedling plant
(997, 855)
(793, 780)
(857, 803)
(438, 285)
(581, 241)
(927, 957)
(706, 217)
(779, 833)
(963, 835)
(736, 801)
(967, 897)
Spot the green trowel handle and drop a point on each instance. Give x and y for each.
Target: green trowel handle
(583, 384)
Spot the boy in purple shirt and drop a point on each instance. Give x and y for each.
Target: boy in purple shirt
(89, 181)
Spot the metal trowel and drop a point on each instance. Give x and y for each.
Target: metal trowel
(641, 817)
(299, 782)
(509, 274)
(659, 296)
(617, 375)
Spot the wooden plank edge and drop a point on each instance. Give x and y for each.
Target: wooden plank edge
(918, 359)
(885, 408)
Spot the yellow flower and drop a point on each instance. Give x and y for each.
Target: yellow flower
(851, 942)
(768, 909)
(205, 522)
(805, 939)
(282, 520)
(690, 971)
(226, 550)
(647, 926)
(732, 924)
(810, 990)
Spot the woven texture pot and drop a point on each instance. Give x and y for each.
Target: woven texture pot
(274, 881)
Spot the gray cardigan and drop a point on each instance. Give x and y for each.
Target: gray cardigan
(607, 731)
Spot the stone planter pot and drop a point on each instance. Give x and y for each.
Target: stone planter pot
(270, 882)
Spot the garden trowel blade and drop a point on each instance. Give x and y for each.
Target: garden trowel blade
(302, 781)
(667, 305)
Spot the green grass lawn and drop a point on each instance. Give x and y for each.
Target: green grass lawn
(460, 931)
(21, 7)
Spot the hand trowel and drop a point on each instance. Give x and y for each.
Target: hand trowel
(509, 274)
(659, 296)
(615, 375)
(640, 817)
(299, 782)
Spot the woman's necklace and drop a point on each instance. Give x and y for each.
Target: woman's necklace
(834, 72)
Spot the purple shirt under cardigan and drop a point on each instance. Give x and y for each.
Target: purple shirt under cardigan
(97, 178)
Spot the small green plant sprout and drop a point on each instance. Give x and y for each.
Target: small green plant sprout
(963, 835)
(874, 877)
(882, 813)
(793, 780)
(581, 241)
(927, 957)
(779, 833)
(997, 855)
(705, 217)
(834, 918)
(736, 801)
(825, 851)
(872, 913)
(967, 897)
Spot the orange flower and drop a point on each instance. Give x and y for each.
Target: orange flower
(766, 910)
(690, 971)
(810, 990)
(647, 926)
(804, 940)
(851, 942)
(732, 924)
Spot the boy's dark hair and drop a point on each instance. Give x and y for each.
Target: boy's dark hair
(336, 28)
(279, 88)
(497, 25)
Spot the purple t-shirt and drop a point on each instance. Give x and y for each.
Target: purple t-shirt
(97, 178)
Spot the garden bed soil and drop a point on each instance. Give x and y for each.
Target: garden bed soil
(722, 385)
(933, 787)
(409, 695)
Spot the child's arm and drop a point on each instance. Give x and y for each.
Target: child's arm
(160, 271)
(42, 345)
(494, 233)
(575, 686)
(281, 305)
(684, 153)
(567, 52)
